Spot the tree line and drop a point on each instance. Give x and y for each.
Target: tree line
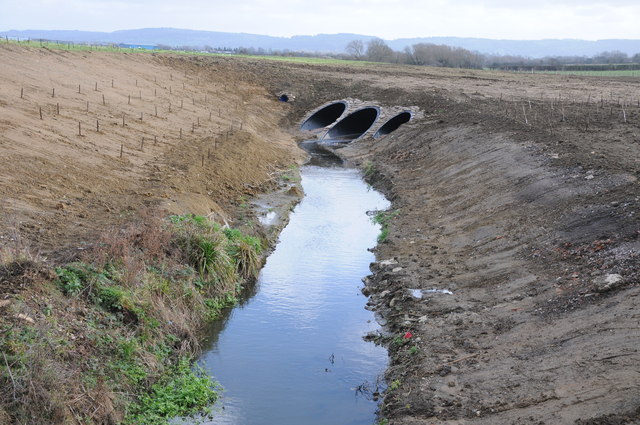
(376, 50)
(429, 54)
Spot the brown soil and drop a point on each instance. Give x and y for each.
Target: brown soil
(61, 185)
(524, 221)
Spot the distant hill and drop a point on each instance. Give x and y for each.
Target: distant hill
(328, 43)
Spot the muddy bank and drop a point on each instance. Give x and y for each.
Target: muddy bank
(543, 262)
(519, 194)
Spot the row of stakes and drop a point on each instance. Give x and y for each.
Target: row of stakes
(228, 132)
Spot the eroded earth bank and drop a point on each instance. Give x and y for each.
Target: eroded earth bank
(532, 223)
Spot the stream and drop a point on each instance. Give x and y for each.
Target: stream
(292, 352)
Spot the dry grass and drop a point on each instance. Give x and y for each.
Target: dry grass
(81, 344)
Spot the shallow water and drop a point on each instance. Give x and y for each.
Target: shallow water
(293, 353)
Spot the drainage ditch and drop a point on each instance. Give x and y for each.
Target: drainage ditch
(292, 352)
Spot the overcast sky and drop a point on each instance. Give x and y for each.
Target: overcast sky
(388, 19)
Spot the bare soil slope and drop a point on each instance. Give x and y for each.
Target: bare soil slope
(193, 139)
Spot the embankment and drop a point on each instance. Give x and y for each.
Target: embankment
(106, 274)
(542, 255)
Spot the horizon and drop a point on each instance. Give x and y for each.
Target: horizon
(311, 35)
(390, 20)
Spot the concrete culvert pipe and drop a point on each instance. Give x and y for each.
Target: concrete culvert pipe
(393, 124)
(324, 116)
(354, 125)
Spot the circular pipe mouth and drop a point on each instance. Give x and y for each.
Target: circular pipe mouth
(324, 116)
(392, 124)
(354, 125)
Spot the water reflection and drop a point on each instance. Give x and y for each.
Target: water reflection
(293, 354)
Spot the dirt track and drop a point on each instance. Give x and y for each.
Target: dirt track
(524, 220)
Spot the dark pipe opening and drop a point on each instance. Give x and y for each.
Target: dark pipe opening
(324, 116)
(354, 125)
(393, 124)
(283, 98)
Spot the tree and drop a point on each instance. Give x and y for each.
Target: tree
(355, 48)
(378, 51)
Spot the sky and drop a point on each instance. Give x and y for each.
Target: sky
(388, 19)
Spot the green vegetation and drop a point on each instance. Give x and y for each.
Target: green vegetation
(185, 392)
(113, 334)
(368, 169)
(112, 48)
(395, 385)
(383, 218)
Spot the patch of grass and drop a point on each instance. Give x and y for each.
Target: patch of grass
(120, 323)
(368, 170)
(184, 392)
(383, 218)
(395, 385)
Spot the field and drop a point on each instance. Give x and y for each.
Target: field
(517, 192)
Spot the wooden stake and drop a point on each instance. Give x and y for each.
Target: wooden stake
(53, 92)
(79, 129)
(21, 92)
(123, 119)
(198, 121)
(129, 100)
(155, 140)
(203, 160)
(155, 92)
(98, 126)
(41, 112)
(78, 88)
(121, 149)
(142, 144)
(140, 116)
(87, 106)
(193, 127)
(112, 87)
(96, 88)
(181, 103)
(103, 102)
(58, 108)
(180, 132)
(209, 115)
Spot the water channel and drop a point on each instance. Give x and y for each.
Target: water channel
(292, 353)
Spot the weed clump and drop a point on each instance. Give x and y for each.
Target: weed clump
(383, 218)
(131, 308)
